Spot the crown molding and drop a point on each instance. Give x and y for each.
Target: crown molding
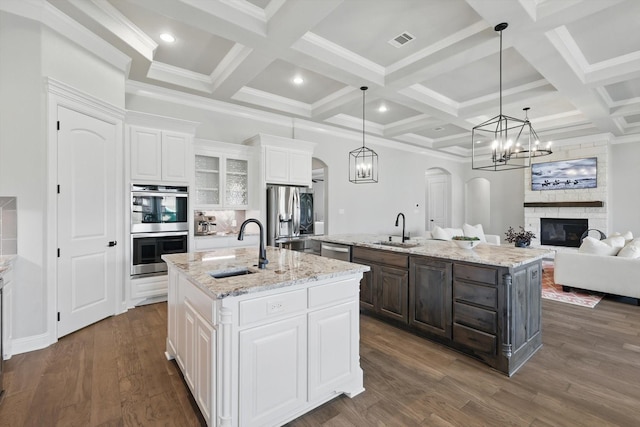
(313, 45)
(231, 61)
(167, 123)
(43, 12)
(109, 17)
(65, 91)
(269, 100)
(179, 76)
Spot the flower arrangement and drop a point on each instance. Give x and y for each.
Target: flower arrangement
(464, 238)
(520, 238)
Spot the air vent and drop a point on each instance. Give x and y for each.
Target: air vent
(401, 39)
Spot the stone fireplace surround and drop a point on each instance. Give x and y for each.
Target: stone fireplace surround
(591, 204)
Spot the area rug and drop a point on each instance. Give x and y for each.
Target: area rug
(554, 292)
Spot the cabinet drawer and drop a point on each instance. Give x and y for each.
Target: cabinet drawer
(392, 259)
(476, 340)
(333, 293)
(486, 296)
(477, 274)
(475, 317)
(272, 307)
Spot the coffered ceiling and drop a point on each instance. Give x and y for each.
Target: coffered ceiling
(575, 63)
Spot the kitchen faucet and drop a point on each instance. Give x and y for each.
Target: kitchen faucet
(397, 219)
(262, 254)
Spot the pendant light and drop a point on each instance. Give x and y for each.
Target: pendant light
(504, 142)
(363, 161)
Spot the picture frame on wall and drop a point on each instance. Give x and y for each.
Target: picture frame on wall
(565, 174)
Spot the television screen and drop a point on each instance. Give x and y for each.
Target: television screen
(564, 174)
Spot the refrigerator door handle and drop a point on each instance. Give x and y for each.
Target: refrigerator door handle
(295, 212)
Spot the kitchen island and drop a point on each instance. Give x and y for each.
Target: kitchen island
(484, 302)
(263, 346)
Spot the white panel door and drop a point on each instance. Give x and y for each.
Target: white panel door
(438, 201)
(86, 220)
(273, 366)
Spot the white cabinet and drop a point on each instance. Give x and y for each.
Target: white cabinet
(333, 344)
(158, 155)
(265, 358)
(284, 160)
(222, 178)
(286, 166)
(273, 372)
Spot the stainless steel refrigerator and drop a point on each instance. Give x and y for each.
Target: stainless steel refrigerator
(289, 213)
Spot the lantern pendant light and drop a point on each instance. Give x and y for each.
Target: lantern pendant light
(363, 161)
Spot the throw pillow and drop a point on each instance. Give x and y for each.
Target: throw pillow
(615, 242)
(440, 233)
(631, 249)
(593, 246)
(628, 236)
(474, 231)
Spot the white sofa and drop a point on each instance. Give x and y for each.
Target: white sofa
(603, 273)
(610, 265)
(471, 231)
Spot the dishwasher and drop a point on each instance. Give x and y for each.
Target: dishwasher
(336, 251)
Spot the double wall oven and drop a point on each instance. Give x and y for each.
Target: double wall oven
(159, 226)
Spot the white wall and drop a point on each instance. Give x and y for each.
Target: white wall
(625, 187)
(29, 53)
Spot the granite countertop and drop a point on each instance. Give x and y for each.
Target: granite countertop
(495, 255)
(6, 262)
(286, 268)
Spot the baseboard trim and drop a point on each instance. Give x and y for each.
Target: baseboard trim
(32, 343)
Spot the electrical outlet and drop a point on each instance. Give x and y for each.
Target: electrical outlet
(275, 307)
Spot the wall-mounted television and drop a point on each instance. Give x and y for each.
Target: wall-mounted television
(565, 174)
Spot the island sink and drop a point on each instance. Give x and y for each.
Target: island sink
(240, 271)
(399, 244)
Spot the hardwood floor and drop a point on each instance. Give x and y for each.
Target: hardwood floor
(114, 373)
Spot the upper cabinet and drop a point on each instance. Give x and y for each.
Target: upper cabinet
(160, 148)
(222, 175)
(285, 161)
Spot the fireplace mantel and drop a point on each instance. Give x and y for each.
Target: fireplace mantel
(591, 204)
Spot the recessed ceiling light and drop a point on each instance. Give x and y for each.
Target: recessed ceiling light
(298, 80)
(382, 108)
(438, 129)
(167, 37)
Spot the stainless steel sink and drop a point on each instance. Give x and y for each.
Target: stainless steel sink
(232, 272)
(399, 244)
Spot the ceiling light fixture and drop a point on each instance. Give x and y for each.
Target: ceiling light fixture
(363, 161)
(298, 80)
(382, 108)
(503, 142)
(167, 37)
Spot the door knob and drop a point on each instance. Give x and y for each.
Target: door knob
(112, 243)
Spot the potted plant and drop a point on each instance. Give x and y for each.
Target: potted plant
(522, 238)
(466, 242)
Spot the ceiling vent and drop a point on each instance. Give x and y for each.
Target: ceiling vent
(401, 39)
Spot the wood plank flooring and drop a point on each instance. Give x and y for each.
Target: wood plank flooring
(114, 373)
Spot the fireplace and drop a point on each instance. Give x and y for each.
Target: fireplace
(562, 231)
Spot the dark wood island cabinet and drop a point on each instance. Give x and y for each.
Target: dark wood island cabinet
(489, 309)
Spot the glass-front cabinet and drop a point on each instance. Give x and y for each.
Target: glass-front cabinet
(221, 176)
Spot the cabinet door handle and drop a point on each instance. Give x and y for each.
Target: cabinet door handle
(112, 243)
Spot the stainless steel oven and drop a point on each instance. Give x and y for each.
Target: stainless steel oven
(147, 249)
(158, 208)
(159, 226)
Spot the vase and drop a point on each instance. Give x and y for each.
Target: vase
(522, 243)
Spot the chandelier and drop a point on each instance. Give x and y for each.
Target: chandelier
(363, 161)
(503, 142)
